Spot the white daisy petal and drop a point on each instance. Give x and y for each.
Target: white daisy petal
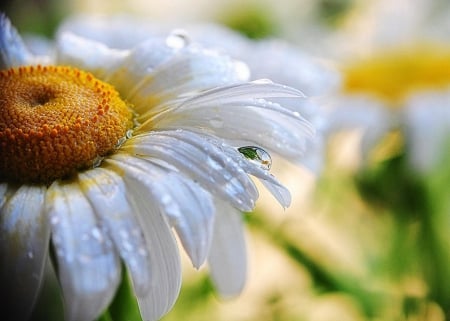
(88, 267)
(280, 192)
(120, 31)
(13, 51)
(139, 62)
(88, 54)
(193, 217)
(269, 130)
(269, 58)
(255, 90)
(24, 237)
(260, 122)
(163, 251)
(38, 45)
(188, 207)
(107, 193)
(192, 69)
(192, 154)
(227, 257)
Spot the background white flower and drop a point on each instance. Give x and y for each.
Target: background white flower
(401, 49)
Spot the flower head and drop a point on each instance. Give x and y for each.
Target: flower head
(395, 74)
(104, 151)
(398, 80)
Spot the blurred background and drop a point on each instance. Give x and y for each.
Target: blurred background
(367, 236)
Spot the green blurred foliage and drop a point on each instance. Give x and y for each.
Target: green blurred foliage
(251, 20)
(40, 17)
(124, 305)
(332, 12)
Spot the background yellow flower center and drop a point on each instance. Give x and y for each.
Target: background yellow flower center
(55, 120)
(393, 75)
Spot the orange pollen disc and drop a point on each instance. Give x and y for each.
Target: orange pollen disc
(54, 121)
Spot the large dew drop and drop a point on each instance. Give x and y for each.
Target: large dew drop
(257, 155)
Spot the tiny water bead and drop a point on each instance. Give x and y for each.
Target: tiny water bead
(257, 155)
(55, 120)
(178, 39)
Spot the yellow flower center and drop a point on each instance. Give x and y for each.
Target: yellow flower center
(54, 121)
(395, 74)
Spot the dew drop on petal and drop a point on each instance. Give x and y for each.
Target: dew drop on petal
(242, 70)
(262, 81)
(54, 220)
(257, 155)
(177, 39)
(97, 234)
(129, 134)
(120, 142)
(97, 161)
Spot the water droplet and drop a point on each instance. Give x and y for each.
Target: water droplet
(97, 234)
(263, 81)
(97, 161)
(177, 39)
(54, 220)
(129, 134)
(257, 155)
(242, 70)
(120, 142)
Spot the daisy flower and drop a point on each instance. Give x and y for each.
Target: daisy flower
(107, 152)
(398, 77)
